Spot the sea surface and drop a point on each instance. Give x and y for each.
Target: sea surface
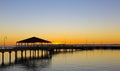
(90, 60)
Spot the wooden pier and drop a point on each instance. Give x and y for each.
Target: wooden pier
(35, 49)
(49, 49)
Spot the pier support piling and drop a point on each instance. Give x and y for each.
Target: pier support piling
(10, 57)
(15, 55)
(2, 58)
(38, 53)
(35, 53)
(30, 53)
(25, 54)
(21, 54)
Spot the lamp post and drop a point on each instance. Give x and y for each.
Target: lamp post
(4, 40)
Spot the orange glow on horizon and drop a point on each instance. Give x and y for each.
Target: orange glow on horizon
(57, 43)
(12, 39)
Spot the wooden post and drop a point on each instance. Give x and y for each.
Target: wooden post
(15, 55)
(38, 53)
(41, 53)
(30, 53)
(25, 54)
(35, 53)
(3, 58)
(21, 54)
(10, 57)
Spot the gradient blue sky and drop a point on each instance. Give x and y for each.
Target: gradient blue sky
(61, 20)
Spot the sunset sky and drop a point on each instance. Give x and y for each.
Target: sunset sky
(60, 21)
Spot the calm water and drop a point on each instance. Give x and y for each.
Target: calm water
(94, 60)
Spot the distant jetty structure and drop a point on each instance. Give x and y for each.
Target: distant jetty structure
(37, 46)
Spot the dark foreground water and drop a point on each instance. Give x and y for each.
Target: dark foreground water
(91, 60)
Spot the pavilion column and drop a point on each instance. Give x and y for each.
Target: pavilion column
(27, 44)
(17, 44)
(30, 44)
(20, 44)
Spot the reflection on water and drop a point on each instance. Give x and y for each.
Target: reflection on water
(91, 60)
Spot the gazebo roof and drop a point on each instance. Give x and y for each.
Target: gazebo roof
(34, 40)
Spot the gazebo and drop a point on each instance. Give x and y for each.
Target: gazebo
(33, 41)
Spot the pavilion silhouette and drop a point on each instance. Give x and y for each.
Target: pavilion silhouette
(32, 41)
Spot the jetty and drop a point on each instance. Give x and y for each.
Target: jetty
(37, 46)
